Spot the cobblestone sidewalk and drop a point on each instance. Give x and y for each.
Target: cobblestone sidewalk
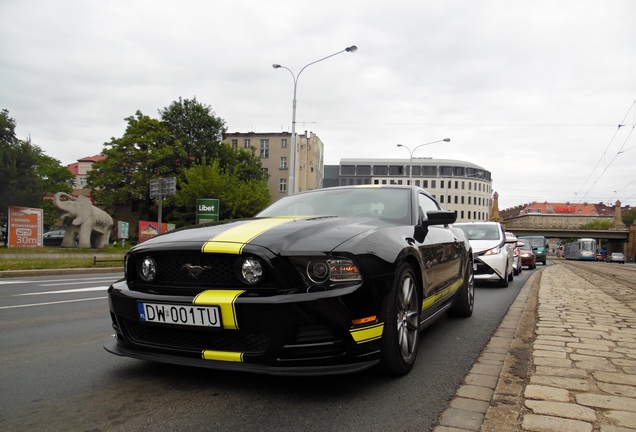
(570, 367)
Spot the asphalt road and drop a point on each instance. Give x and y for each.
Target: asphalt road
(55, 375)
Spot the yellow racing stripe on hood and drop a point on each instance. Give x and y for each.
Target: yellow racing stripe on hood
(233, 240)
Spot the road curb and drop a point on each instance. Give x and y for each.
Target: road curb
(489, 398)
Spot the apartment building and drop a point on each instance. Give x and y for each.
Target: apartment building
(274, 150)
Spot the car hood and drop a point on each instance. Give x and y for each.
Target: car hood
(294, 235)
(483, 245)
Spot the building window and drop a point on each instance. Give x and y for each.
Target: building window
(283, 143)
(246, 143)
(462, 214)
(282, 185)
(380, 170)
(433, 184)
(396, 170)
(347, 169)
(441, 199)
(363, 169)
(425, 184)
(264, 149)
(234, 143)
(283, 162)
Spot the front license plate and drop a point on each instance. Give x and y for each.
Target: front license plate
(202, 316)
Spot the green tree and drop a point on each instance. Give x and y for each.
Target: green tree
(238, 199)
(26, 173)
(597, 224)
(188, 135)
(629, 217)
(140, 155)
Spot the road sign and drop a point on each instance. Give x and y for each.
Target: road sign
(25, 227)
(163, 187)
(207, 210)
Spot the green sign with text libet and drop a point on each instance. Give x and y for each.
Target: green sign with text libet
(207, 210)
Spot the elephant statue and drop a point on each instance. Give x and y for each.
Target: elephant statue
(90, 225)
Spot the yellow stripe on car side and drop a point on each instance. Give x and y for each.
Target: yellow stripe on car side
(430, 301)
(222, 356)
(234, 239)
(225, 299)
(367, 334)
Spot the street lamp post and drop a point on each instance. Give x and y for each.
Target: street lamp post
(292, 153)
(413, 151)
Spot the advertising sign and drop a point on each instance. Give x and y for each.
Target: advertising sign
(25, 227)
(122, 229)
(207, 210)
(149, 229)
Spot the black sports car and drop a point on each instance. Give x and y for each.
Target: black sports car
(328, 281)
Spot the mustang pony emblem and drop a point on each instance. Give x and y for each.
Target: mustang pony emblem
(194, 271)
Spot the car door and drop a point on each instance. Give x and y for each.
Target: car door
(441, 255)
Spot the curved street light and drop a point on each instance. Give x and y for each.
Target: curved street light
(413, 151)
(292, 152)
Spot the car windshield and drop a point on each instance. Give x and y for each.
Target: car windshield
(480, 232)
(382, 203)
(525, 246)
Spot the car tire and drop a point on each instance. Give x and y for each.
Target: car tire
(465, 301)
(511, 275)
(504, 281)
(401, 316)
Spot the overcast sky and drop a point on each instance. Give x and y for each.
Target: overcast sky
(533, 91)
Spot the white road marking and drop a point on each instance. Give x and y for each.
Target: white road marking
(77, 290)
(51, 303)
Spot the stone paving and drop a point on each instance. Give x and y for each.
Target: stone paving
(563, 360)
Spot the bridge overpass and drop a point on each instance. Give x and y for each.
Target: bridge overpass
(615, 235)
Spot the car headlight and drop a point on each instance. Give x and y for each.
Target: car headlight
(333, 270)
(148, 269)
(493, 251)
(250, 271)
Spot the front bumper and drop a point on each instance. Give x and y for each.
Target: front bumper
(490, 268)
(301, 334)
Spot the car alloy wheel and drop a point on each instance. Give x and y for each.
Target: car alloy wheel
(463, 306)
(401, 313)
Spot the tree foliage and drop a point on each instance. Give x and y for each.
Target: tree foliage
(187, 135)
(629, 217)
(597, 224)
(237, 198)
(26, 173)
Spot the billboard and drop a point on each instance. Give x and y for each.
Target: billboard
(207, 210)
(149, 229)
(25, 227)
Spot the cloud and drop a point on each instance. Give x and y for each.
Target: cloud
(531, 91)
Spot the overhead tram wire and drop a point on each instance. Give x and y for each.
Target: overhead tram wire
(621, 124)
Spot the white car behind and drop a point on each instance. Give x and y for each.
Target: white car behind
(493, 257)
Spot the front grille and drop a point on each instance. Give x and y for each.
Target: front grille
(196, 339)
(483, 269)
(214, 271)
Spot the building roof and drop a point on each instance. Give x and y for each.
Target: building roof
(552, 208)
(416, 160)
(92, 158)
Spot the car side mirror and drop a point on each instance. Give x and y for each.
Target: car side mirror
(440, 217)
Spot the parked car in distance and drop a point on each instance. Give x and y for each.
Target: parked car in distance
(53, 238)
(528, 258)
(492, 256)
(327, 281)
(517, 267)
(616, 257)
